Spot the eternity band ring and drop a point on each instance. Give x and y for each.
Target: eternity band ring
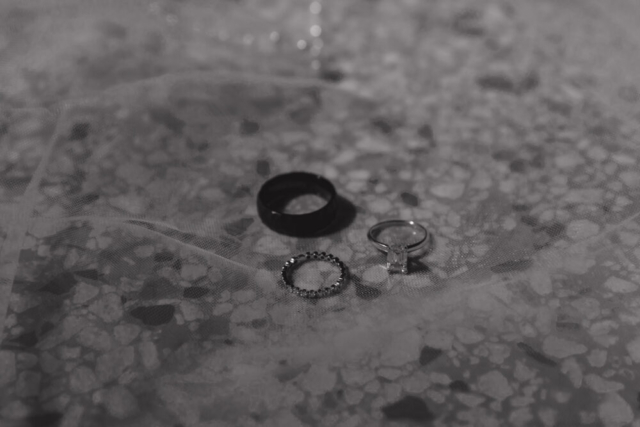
(326, 291)
(397, 254)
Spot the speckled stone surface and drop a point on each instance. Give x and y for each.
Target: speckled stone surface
(138, 287)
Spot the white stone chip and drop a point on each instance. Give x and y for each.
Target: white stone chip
(541, 281)
(149, 355)
(633, 347)
(495, 385)
(600, 385)
(468, 336)
(380, 205)
(621, 286)
(522, 372)
(572, 369)
(190, 311)
(614, 411)
(581, 229)
(119, 402)
(369, 144)
(108, 308)
(597, 358)
(452, 190)
(94, 338)
(561, 348)
(390, 373)
(271, 245)
(319, 380)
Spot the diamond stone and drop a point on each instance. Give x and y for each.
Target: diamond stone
(397, 259)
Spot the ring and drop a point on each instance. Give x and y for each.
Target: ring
(276, 192)
(320, 293)
(397, 254)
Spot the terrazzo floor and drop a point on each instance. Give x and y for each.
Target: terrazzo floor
(138, 287)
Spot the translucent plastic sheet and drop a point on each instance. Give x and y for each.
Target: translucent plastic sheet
(138, 287)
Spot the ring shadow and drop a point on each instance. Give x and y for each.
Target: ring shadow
(345, 215)
(415, 263)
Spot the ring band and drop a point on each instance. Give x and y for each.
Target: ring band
(276, 192)
(320, 293)
(397, 254)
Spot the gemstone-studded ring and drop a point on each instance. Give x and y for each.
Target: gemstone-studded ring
(322, 292)
(397, 254)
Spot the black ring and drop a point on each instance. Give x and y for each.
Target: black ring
(322, 292)
(276, 192)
